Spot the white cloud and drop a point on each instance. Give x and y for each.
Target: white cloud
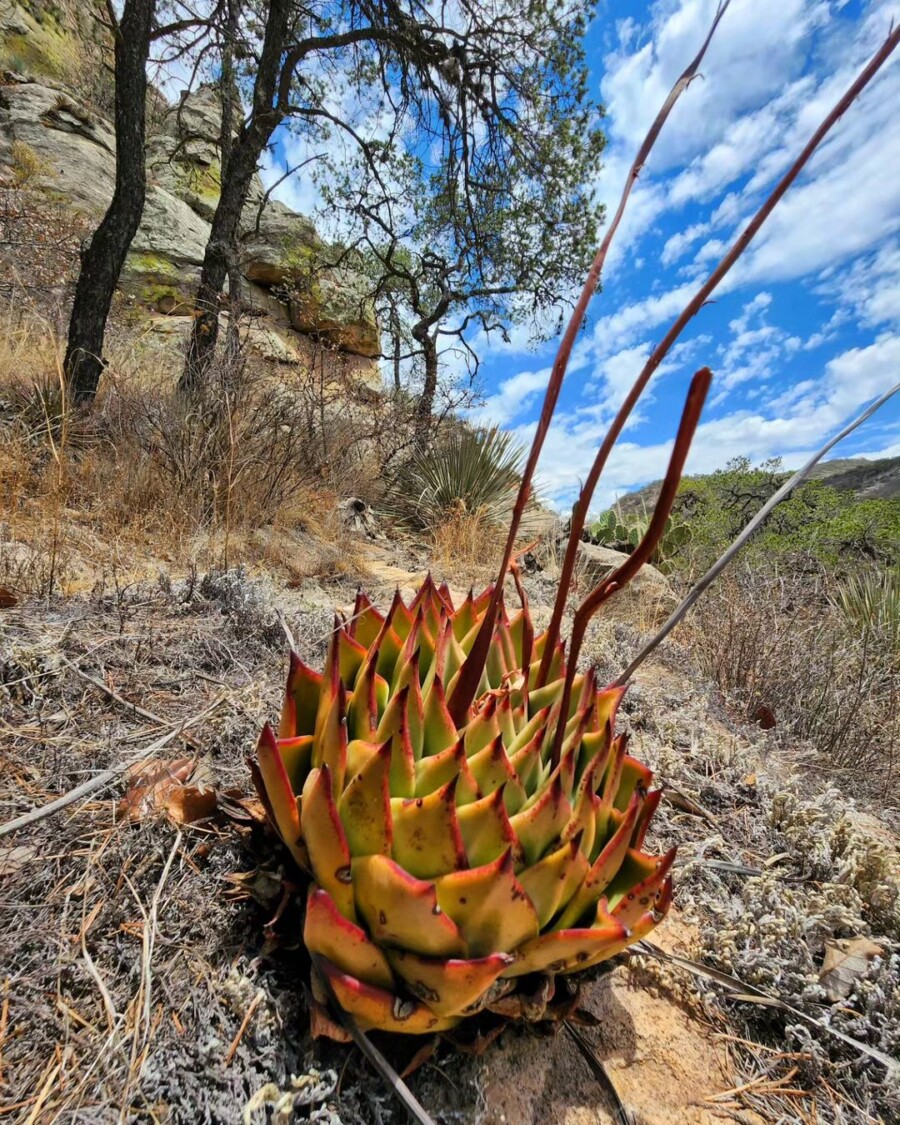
(760, 45)
(791, 426)
(512, 399)
(681, 241)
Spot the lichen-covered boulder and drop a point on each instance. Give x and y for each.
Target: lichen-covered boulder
(167, 252)
(72, 153)
(39, 40)
(74, 148)
(183, 156)
(276, 242)
(334, 304)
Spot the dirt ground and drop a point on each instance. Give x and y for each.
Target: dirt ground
(137, 982)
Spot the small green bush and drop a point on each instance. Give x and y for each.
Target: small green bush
(832, 525)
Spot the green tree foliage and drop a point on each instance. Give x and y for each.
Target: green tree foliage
(452, 145)
(830, 524)
(471, 211)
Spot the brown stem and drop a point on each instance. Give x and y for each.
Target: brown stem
(622, 575)
(579, 512)
(469, 678)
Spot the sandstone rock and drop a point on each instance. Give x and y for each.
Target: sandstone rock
(196, 181)
(276, 243)
(600, 561)
(648, 593)
(167, 252)
(336, 307)
(340, 369)
(183, 157)
(38, 40)
(12, 20)
(259, 339)
(75, 149)
(196, 123)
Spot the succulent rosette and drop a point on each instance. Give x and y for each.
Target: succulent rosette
(448, 859)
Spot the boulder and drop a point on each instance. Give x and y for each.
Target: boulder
(336, 368)
(75, 149)
(258, 338)
(327, 324)
(183, 156)
(336, 307)
(196, 123)
(280, 249)
(196, 181)
(276, 244)
(42, 40)
(166, 254)
(649, 587)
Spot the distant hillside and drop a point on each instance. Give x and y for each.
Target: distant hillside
(869, 480)
(866, 479)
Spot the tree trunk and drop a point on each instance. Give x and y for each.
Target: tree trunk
(429, 389)
(102, 259)
(397, 338)
(221, 250)
(230, 102)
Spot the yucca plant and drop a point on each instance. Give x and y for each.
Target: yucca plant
(870, 601)
(469, 471)
(471, 823)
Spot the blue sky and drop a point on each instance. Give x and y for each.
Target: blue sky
(804, 329)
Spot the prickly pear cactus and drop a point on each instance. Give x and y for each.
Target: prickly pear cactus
(450, 859)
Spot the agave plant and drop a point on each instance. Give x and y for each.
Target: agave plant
(449, 860)
(463, 804)
(471, 823)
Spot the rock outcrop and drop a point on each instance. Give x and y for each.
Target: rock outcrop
(300, 306)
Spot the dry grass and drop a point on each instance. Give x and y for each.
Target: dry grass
(138, 986)
(148, 481)
(468, 547)
(777, 646)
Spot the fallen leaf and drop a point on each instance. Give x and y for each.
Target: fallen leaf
(262, 885)
(765, 716)
(14, 859)
(241, 808)
(160, 786)
(845, 963)
(7, 598)
(189, 803)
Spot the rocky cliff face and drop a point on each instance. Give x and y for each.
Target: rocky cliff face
(296, 307)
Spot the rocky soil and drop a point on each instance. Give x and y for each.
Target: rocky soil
(138, 982)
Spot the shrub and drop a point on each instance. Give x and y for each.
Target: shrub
(832, 525)
(775, 639)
